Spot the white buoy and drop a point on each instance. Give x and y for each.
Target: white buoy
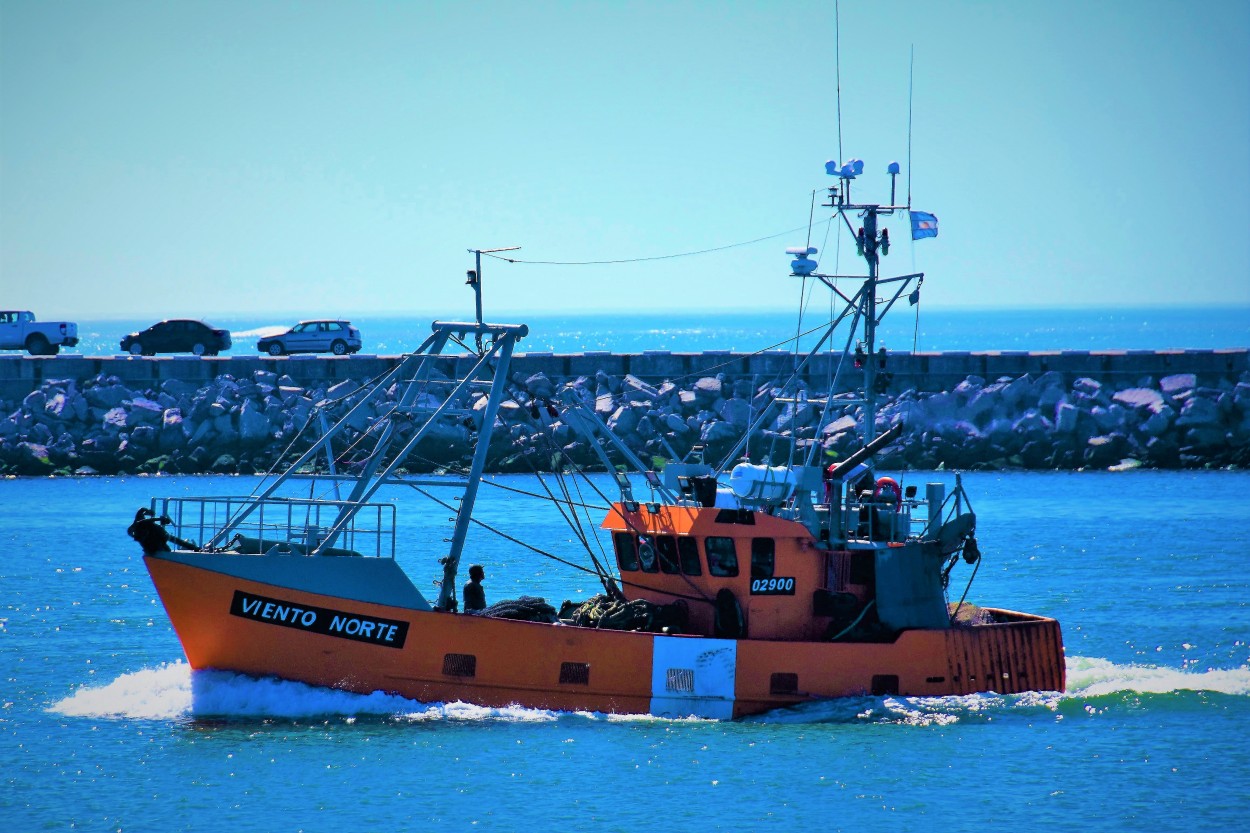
(761, 482)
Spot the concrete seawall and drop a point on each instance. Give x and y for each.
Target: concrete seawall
(19, 374)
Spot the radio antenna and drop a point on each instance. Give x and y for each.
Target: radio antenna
(837, 74)
(911, 83)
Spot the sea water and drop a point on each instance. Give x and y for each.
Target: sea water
(104, 727)
(906, 329)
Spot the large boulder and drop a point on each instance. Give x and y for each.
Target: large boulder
(107, 396)
(1178, 384)
(737, 412)
(1159, 422)
(707, 391)
(144, 411)
(173, 433)
(624, 420)
(1066, 417)
(1143, 398)
(32, 459)
(114, 420)
(636, 389)
(1198, 412)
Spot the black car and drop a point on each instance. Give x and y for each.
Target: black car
(178, 335)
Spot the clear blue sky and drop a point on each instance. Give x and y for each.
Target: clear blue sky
(201, 158)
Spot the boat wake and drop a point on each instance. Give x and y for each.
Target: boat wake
(1095, 677)
(174, 692)
(1095, 686)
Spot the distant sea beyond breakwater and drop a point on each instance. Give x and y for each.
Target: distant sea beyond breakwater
(698, 331)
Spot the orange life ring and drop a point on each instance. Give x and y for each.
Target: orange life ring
(887, 490)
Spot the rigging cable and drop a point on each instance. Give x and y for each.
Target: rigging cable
(642, 259)
(537, 551)
(575, 521)
(636, 528)
(731, 361)
(975, 568)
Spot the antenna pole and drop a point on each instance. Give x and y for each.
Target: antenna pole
(837, 74)
(477, 284)
(475, 281)
(911, 82)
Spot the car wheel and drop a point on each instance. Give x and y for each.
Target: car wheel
(275, 349)
(136, 349)
(339, 348)
(197, 349)
(37, 345)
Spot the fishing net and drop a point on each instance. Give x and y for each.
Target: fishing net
(525, 609)
(607, 613)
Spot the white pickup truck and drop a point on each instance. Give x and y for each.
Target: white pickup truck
(20, 331)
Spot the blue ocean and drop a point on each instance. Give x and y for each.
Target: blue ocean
(103, 726)
(903, 330)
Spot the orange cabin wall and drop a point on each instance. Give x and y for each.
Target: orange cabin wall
(768, 616)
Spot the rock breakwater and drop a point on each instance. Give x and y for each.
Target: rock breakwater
(101, 425)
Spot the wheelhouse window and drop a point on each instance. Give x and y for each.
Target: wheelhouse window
(626, 551)
(688, 555)
(763, 555)
(666, 547)
(648, 560)
(722, 558)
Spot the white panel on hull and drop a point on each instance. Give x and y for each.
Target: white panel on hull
(693, 677)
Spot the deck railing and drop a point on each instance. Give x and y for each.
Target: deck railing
(290, 524)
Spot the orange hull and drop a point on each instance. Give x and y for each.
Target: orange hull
(252, 627)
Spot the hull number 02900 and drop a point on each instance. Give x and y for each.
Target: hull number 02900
(772, 586)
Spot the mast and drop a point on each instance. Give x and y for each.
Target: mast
(869, 246)
(876, 295)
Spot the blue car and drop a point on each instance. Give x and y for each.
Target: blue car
(321, 336)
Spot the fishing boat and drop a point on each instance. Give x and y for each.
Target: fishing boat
(733, 587)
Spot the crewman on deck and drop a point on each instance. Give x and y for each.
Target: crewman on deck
(474, 594)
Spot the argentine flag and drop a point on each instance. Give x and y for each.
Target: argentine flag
(923, 224)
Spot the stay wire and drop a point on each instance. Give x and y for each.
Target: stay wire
(572, 518)
(642, 259)
(968, 587)
(462, 472)
(782, 343)
(580, 567)
(636, 528)
(320, 407)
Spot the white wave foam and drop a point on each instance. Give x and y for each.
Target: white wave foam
(161, 693)
(172, 692)
(1091, 677)
(222, 694)
(1087, 678)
